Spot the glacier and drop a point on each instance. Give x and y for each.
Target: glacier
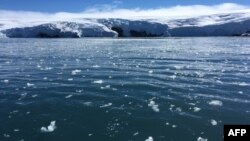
(230, 24)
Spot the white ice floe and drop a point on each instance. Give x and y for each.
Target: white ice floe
(96, 66)
(213, 122)
(201, 139)
(16, 130)
(150, 72)
(215, 103)
(106, 87)
(74, 72)
(173, 76)
(149, 139)
(34, 96)
(136, 133)
(243, 84)
(30, 84)
(197, 109)
(174, 126)
(98, 81)
(106, 105)
(154, 106)
(50, 128)
(70, 79)
(6, 135)
(6, 81)
(68, 96)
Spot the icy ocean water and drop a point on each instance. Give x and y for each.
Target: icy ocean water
(174, 89)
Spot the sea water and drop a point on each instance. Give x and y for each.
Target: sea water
(173, 89)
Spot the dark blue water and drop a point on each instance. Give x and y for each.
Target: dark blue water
(123, 89)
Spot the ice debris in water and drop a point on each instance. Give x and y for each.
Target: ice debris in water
(150, 71)
(70, 79)
(6, 81)
(154, 106)
(215, 103)
(106, 105)
(96, 66)
(136, 133)
(243, 84)
(6, 135)
(98, 82)
(106, 87)
(30, 84)
(174, 126)
(68, 96)
(50, 128)
(74, 72)
(213, 122)
(149, 139)
(201, 139)
(197, 109)
(173, 76)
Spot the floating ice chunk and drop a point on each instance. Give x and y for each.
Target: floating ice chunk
(106, 87)
(173, 76)
(70, 79)
(90, 135)
(136, 133)
(197, 109)
(96, 66)
(218, 81)
(178, 109)
(149, 139)
(87, 103)
(68, 96)
(215, 103)
(50, 128)
(240, 92)
(213, 122)
(106, 105)
(201, 139)
(6, 135)
(150, 72)
(30, 84)
(34, 95)
(6, 81)
(243, 84)
(48, 68)
(16, 130)
(98, 82)
(79, 91)
(154, 106)
(174, 126)
(74, 72)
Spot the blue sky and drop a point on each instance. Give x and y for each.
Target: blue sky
(51, 6)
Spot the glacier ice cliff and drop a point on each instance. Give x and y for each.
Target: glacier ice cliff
(234, 24)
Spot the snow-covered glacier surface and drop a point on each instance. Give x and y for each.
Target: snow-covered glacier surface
(234, 24)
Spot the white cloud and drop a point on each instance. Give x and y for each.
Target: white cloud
(112, 11)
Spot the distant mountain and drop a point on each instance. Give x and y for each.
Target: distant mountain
(235, 24)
